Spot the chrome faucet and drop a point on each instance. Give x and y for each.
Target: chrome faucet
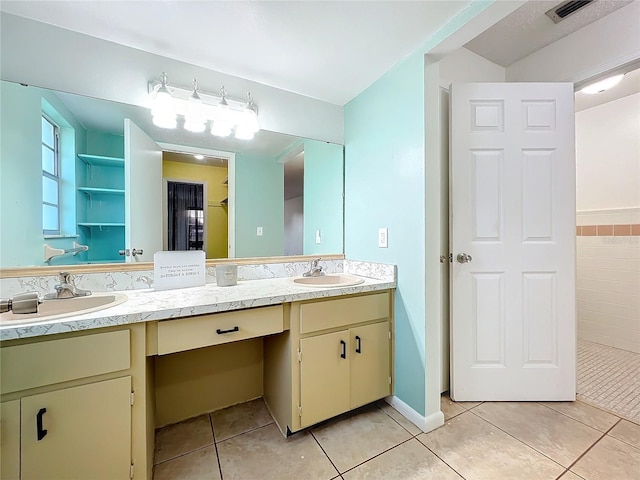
(315, 270)
(66, 289)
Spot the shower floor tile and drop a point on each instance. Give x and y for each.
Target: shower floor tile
(610, 378)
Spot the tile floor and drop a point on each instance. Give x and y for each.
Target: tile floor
(492, 441)
(610, 378)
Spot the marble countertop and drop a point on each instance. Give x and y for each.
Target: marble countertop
(149, 305)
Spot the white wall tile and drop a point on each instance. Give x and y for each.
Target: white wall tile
(608, 290)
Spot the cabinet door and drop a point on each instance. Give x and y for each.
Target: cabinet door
(10, 440)
(85, 432)
(369, 363)
(324, 376)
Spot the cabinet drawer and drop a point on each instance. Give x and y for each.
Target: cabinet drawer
(205, 330)
(342, 312)
(54, 361)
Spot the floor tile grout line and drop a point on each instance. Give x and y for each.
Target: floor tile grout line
(377, 455)
(213, 432)
(591, 447)
(402, 426)
(245, 432)
(325, 453)
(575, 419)
(442, 459)
(621, 440)
(523, 442)
(569, 471)
(183, 454)
(589, 401)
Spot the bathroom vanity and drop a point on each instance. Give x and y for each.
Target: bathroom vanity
(83, 395)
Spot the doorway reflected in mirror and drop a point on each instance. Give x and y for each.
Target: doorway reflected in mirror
(185, 221)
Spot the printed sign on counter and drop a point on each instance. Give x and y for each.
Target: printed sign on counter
(178, 269)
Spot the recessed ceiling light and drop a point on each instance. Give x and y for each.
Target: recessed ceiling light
(199, 157)
(603, 85)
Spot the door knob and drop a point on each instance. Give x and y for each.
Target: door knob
(124, 252)
(135, 252)
(464, 258)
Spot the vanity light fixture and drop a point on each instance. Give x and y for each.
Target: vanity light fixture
(602, 85)
(226, 116)
(163, 110)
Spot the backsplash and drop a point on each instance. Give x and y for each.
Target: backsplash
(381, 271)
(141, 279)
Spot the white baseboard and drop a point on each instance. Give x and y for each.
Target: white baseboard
(427, 424)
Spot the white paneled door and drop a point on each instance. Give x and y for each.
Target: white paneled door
(512, 200)
(143, 194)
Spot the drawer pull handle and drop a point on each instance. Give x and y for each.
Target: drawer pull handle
(358, 344)
(41, 432)
(231, 330)
(343, 344)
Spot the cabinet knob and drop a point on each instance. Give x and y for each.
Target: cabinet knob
(343, 345)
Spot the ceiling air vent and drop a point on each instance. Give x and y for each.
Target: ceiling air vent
(562, 11)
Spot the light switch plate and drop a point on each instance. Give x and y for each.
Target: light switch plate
(259, 231)
(318, 236)
(383, 239)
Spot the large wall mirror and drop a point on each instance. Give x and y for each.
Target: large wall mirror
(76, 178)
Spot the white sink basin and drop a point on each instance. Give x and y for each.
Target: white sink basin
(66, 307)
(333, 280)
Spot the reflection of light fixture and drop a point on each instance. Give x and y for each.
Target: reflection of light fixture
(602, 85)
(198, 157)
(227, 116)
(249, 125)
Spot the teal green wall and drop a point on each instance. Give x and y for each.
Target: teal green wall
(323, 187)
(21, 238)
(259, 202)
(20, 204)
(385, 187)
(106, 144)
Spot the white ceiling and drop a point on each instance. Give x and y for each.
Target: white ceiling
(528, 29)
(331, 51)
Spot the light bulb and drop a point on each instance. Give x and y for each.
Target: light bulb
(243, 133)
(194, 119)
(163, 110)
(222, 108)
(221, 128)
(249, 119)
(165, 121)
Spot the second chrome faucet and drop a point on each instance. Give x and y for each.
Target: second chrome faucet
(315, 270)
(66, 289)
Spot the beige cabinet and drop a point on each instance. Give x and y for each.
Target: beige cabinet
(78, 432)
(324, 377)
(343, 370)
(370, 366)
(336, 356)
(10, 440)
(68, 409)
